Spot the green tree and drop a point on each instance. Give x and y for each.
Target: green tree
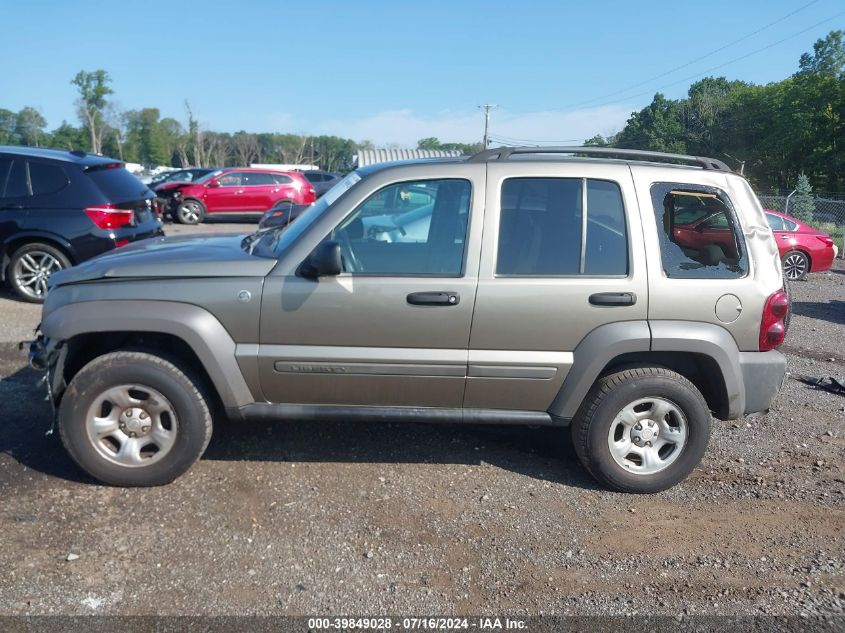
(93, 90)
(827, 58)
(66, 136)
(29, 126)
(656, 127)
(803, 204)
(597, 141)
(432, 142)
(8, 121)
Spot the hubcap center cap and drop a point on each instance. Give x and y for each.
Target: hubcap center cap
(135, 422)
(644, 433)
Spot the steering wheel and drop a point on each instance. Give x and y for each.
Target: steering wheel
(351, 262)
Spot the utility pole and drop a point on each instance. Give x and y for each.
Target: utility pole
(486, 107)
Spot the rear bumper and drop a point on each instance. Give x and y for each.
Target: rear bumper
(763, 374)
(822, 259)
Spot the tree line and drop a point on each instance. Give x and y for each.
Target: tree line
(775, 132)
(143, 136)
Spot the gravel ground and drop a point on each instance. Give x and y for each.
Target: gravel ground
(410, 519)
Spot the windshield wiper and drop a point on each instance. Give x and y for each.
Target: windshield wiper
(251, 240)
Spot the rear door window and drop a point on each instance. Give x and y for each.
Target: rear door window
(257, 179)
(699, 233)
(281, 179)
(17, 184)
(118, 185)
(46, 178)
(545, 231)
(5, 163)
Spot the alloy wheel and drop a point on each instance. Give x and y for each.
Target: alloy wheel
(190, 213)
(33, 270)
(795, 266)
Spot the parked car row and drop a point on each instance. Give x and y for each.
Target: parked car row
(191, 195)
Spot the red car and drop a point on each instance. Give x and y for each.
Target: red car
(803, 249)
(236, 191)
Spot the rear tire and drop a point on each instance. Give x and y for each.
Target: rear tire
(190, 212)
(30, 268)
(134, 419)
(796, 265)
(650, 414)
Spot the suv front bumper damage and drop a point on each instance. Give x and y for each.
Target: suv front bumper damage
(47, 355)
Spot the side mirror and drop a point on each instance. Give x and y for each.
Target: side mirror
(213, 183)
(324, 261)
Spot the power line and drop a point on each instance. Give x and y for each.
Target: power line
(528, 141)
(697, 59)
(732, 61)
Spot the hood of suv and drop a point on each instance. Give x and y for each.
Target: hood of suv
(171, 257)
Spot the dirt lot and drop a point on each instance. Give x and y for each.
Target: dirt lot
(409, 519)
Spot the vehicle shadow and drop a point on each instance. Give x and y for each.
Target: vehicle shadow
(26, 418)
(832, 311)
(543, 453)
(9, 295)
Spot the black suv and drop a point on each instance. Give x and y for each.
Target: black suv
(59, 208)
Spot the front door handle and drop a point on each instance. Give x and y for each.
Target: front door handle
(613, 299)
(441, 298)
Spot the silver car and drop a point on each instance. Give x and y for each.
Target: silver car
(557, 286)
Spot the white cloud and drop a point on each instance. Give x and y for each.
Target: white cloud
(405, 127)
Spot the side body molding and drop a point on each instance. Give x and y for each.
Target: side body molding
(203, 333)
(593, 353)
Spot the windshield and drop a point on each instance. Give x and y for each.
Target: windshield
(209, 176)
(283, 238)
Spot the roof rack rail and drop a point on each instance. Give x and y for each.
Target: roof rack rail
(503, 153)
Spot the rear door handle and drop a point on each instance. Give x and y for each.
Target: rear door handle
(16, 207)
(441, 298)
(613, 299)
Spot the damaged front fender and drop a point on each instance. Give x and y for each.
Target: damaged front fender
(48, 356)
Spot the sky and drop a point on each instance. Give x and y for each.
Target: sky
(394, 72)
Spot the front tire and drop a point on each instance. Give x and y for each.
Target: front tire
(134, 419)
(190, 212)
(30, 268)
(641, 430)
(796, 265)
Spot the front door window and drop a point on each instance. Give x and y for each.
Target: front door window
(408, 229)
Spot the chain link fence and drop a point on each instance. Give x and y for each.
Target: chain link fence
(824, 211)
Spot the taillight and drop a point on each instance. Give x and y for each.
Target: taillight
(107, 217)
(827, 241)
(772, 326)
